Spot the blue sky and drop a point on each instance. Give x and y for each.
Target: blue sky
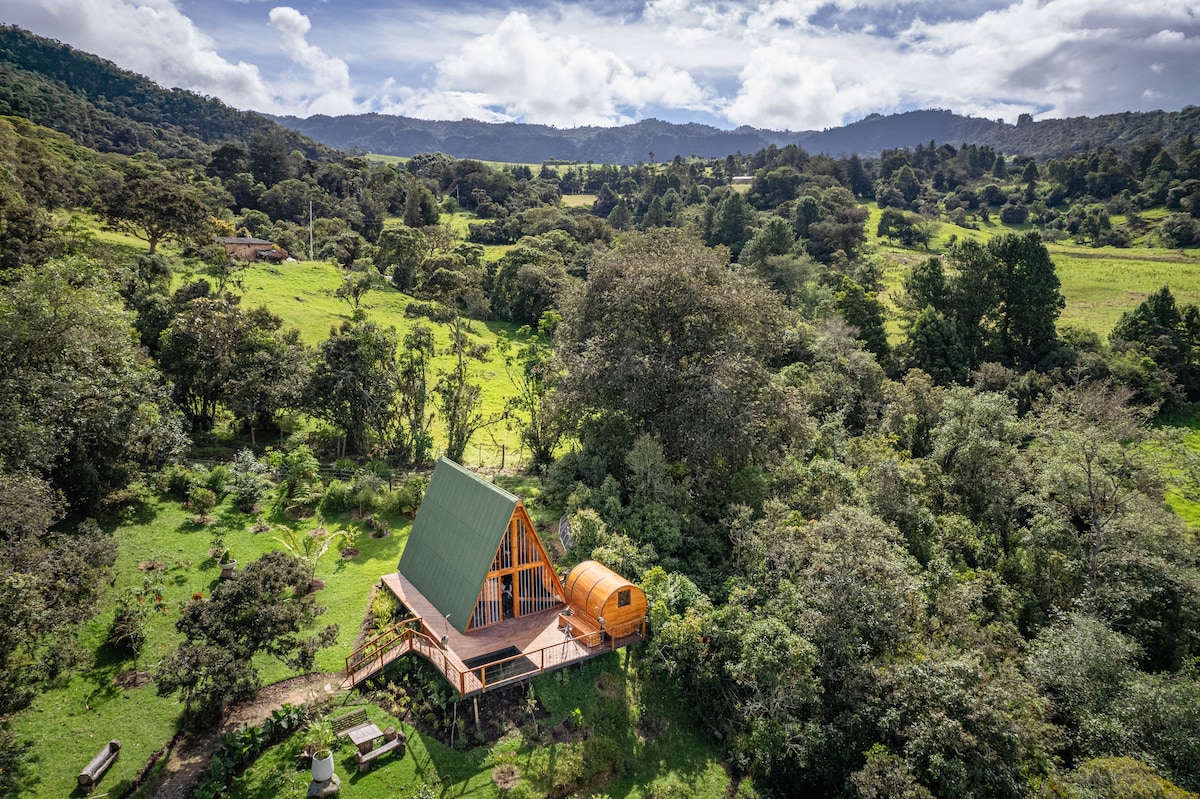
(780, 64)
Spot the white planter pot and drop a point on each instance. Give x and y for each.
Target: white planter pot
(322, 769)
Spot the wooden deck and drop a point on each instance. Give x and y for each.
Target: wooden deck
(542, 644)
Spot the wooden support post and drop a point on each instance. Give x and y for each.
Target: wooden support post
(475, 700)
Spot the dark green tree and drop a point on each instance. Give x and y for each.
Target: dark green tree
(731, 223)
(80, 405)
(1030, 296)
(937, 348)
(398, 254)
(1168, 334)
(262, 612)
(773, 238)
(863, 311)
(354, 382)
(667, 334)
(146, 200)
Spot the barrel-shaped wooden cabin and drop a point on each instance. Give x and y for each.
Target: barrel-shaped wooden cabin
(602, 599)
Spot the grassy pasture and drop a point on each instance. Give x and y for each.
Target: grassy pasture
(1102, 283)
(1098, 283)
(578, 200)
(302, 294)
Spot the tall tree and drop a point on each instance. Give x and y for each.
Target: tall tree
(731, 223)
(79, 403)
(398, 253)
(416, 435)
(862, 310)
(354, 383)
(458, 398)
(667, 333)
(146, 200)
(1029, 288)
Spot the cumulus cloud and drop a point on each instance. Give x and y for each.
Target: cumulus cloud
(794, 64)
(519, 72)
(150, 37)
(323, 83)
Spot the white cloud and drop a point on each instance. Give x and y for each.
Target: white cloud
(150, 37)
(795, 64)
(323, 86)
(518, 71)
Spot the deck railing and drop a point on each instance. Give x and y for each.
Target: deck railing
(402, 638)
(375, 649)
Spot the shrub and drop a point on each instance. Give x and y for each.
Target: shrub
(126, 502)
(383, 610)
(1014, 214)
(175, 481)
(338, 497)
(202, 500)
(407, 498)
(217, 479)
(248, 483)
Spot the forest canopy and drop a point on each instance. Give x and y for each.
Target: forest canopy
(902, 531)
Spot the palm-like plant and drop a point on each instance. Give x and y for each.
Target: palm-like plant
(308, 548)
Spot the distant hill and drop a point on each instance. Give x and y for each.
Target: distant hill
(110, 109)
(521, 143)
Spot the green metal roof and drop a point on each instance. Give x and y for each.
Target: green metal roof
(454, 539)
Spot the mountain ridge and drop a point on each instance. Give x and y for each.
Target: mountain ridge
(108, 108)
(532, 143)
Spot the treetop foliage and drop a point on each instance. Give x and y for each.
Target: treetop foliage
(909, 542)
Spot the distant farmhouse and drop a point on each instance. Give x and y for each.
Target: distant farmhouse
(247, 248)
(488, 608)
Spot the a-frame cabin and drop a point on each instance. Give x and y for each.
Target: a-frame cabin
(474, 554)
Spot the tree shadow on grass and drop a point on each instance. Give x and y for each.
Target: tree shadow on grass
(109, 662)
(193, 524)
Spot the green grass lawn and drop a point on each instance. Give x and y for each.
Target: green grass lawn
(302, 295)
(1098, 283)
(71, 721)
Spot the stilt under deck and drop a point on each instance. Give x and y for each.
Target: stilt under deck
(543, 645)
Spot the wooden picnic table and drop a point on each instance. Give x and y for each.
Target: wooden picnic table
(364, 737)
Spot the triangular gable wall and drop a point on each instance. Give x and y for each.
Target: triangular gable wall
(521, 579)
(460, 523)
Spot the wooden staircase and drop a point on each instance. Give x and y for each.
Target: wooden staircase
(381, 650)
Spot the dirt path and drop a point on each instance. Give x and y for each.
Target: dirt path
(193, 753)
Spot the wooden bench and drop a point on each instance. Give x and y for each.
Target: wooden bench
(364, 759)
(352, 720)
(580, 626)
(94, 770)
